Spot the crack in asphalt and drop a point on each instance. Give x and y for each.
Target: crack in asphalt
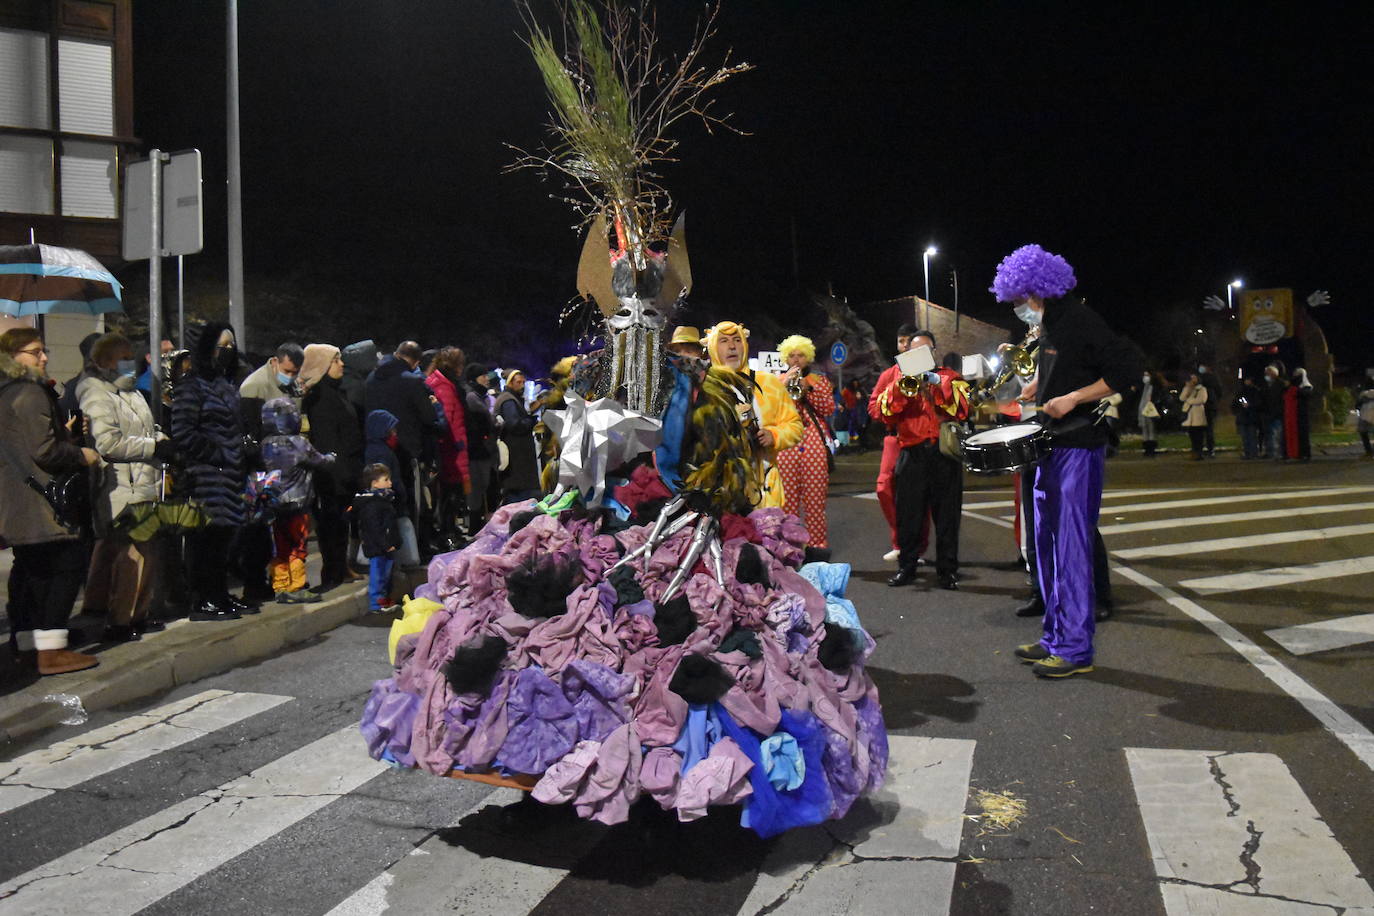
(1232, 889)
(1252, 843)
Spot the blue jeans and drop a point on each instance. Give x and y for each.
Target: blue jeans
(379, 580)
(1274, 439)
(1249, 439)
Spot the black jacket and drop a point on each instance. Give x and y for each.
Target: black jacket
(517, 431)
(395, 388)
(335, 427)
(375, 512)
(1076, 349)
(208, 431)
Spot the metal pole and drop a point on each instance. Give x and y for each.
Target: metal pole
(956, 300)
(236, 304)
(155, 272)
(1228, 299)
(925, 307)
(181, 301)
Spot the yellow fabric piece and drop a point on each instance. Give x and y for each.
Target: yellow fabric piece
(415, 613)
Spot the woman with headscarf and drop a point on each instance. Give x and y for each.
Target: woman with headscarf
(805, 467)
(208, 432)
(520, 479)
(1297, 433)
(334, 428)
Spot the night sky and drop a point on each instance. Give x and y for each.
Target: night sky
(1162, 149)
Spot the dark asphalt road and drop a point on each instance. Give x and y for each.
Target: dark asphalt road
(945, 670)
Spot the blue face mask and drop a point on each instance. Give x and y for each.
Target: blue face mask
(1027, 314)
(284, 380)
(127, 368)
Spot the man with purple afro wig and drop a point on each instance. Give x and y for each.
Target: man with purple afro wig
(1082, 361)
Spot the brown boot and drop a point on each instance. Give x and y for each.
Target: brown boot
(62, 661)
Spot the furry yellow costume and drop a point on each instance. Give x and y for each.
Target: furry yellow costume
(772, 407)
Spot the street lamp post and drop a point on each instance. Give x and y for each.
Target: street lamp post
(1233, 285)
(930, 252)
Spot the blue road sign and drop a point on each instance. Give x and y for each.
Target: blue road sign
(838, 353)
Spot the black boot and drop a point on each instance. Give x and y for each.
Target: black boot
(1035, 607)
(903, 577)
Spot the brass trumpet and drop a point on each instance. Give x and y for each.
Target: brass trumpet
(912, 385)
(795, 387)
(1019, 360)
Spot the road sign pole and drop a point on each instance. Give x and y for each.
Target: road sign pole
(155, 276)
(181, 301)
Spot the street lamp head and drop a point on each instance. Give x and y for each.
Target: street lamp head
(1237, 283)
(932, 251)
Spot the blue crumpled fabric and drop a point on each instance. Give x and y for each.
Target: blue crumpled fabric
(769, 811)
(831, 580)
(783, 761)
(597, 695)
(699, 733)
(543, 724)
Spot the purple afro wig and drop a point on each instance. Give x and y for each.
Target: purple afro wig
(1032, 271)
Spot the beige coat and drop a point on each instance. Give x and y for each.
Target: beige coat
(1195, 414)
(121, 426)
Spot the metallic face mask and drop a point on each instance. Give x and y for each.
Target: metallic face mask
(637, 313)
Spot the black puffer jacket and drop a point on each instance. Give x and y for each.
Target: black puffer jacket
(208, 430)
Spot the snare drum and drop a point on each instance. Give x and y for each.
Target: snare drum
(1006, 449)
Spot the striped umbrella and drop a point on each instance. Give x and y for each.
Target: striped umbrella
(44, 279)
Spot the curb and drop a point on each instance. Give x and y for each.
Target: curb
(181, 654)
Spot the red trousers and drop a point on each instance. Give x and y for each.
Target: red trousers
(887, 494)
(289, 536)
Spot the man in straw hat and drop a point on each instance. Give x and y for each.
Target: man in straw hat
(1082, 361)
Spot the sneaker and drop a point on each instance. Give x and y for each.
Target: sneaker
(891, 556)
(208, 610)
(1058, 666)
(1031, 652)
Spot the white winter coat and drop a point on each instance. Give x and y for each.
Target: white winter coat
(122, 428)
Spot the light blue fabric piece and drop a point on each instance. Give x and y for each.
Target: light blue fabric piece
(783, 761)
(831, 580)
(700, 732)
(668, 455)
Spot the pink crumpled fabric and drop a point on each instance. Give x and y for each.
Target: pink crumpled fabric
(721, 779)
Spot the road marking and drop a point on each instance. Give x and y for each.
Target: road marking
(1215, 545)
(1306, 638)
(1280, 575)
(1234, 833)
(905, 860)
(1334, 719)
(132, 868)
(1263, 515)
(1227, 500)
(106, 749)
(443, 875)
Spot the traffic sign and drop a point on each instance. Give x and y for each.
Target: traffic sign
(838, 353)
(182, 222)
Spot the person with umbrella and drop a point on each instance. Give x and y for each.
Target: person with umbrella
(49, 558)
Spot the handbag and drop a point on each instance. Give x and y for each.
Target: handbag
(1149, 411)
(408, 554)
(952, 440)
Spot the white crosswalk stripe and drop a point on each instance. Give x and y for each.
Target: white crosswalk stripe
(135, 867)
(1229, 517)
(1280, 575)
(1243, 542)
(1234, 833)
(1323, 635)
(103, 750)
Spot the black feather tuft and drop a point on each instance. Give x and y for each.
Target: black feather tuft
(627, 587)
(539, 587)
(700, 680)
(646, 513)
(520, 519)
(473, 666)
(674, 620)
(837, 652)
(750, 568)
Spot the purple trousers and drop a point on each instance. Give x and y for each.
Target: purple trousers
(1068, 494)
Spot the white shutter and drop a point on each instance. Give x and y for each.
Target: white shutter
(85, 86)
(25, 174)
(23, 79)
(88, 179)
